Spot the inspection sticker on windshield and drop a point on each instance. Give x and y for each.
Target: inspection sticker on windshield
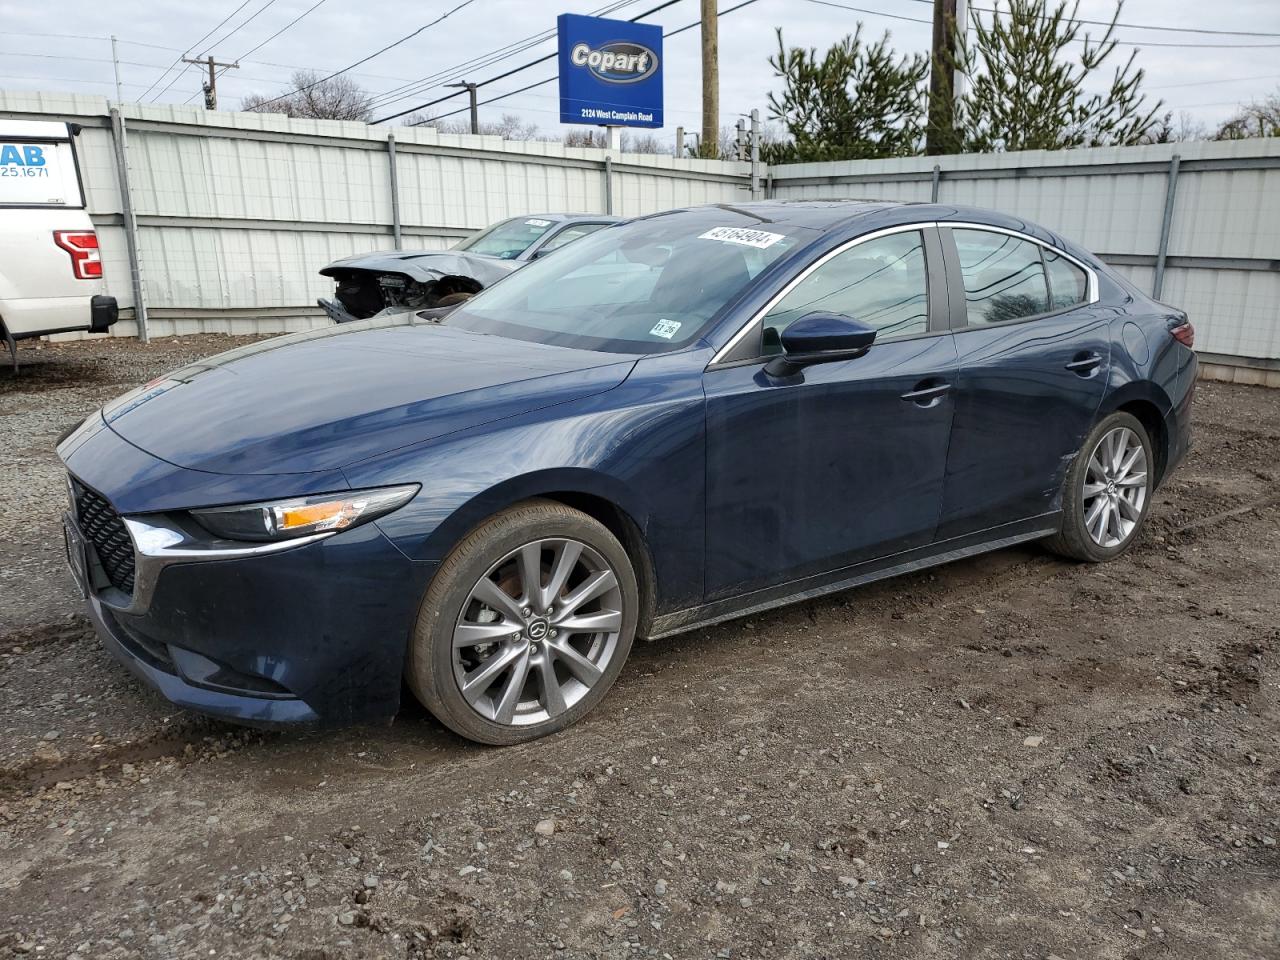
(535, 222)
(665, 328)
(750, 238)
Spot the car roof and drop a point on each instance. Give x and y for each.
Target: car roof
(827, 216)
(568, 217)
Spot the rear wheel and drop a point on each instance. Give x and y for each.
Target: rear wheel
(525, 626)
(1108, 491)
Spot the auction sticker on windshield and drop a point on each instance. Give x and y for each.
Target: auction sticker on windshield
(534, 222)
(665, 328)
(761, 239)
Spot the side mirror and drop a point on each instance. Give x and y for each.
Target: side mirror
(820, 338)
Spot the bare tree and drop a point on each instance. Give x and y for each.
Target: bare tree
(308, 95)
(1261, 118)
(510, 127)
(1169, 130)
(599, 138)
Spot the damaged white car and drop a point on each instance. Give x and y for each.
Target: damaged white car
(399, 281)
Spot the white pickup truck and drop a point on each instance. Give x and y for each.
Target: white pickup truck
(50, 268)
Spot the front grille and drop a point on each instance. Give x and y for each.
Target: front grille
(104, 528)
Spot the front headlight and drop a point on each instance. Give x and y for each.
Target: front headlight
(302, 516)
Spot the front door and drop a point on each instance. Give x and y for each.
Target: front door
(1034, 356)
(845, 461)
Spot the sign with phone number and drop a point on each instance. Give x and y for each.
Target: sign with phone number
(30, 172)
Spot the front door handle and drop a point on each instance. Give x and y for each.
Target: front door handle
(927, 393)
(1085, 363)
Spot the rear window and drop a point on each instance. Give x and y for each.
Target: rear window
(1004, 277)
(1068, 284)
(35, 169)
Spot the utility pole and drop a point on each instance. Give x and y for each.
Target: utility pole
(211, 85)
(941, 134)
(115, 65)
(475, 108)
(710, 79)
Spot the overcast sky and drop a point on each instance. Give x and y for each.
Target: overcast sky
(1205, 81)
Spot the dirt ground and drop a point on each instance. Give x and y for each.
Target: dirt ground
(1013, 756)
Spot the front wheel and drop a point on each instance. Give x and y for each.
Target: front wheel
(526, 625)
(1108, 491)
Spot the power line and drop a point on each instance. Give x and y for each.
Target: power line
(243, 23)
(376, 53)
(502, 76)
(503, 96)
(486, 59)
(1120, 43)
(178, 59)
(287, 26)
(1147, 26)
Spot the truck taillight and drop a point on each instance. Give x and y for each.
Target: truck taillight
(86, 264)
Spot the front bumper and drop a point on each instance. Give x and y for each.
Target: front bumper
(174, 687)
(314, 634)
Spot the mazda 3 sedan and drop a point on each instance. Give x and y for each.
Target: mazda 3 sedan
(679, 420)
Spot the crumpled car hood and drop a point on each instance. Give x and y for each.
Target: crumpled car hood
(319, 400)
(426, 266)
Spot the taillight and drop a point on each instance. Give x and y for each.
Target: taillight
(1184, 333)
(86, 264)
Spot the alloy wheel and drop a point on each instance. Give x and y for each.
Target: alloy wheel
(1115, 487)
(537, 632)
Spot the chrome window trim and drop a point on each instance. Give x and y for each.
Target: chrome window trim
(799, 278)
(1091, 296)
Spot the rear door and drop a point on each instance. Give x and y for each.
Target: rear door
(843, 462)
(1033, 350)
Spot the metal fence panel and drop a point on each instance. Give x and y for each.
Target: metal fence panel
(237, 212)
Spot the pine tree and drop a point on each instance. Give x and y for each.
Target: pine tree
(857, 102)
(1026, 84)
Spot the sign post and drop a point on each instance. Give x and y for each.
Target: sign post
(610, 73)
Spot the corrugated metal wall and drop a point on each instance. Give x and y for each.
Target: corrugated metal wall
(1223, 250)
(238, 211)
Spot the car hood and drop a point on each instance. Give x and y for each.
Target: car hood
(426, 266)
(320, 400)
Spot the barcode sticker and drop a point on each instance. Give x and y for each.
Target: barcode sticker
(761, 239)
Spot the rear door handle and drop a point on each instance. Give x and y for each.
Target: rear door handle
(1085, 364)
(926, 394)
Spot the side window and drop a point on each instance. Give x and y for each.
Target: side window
(570, 234)
(882, 283)
(1004, 277)
(1068, 284)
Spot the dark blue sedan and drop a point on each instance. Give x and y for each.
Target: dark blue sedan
(686, 418)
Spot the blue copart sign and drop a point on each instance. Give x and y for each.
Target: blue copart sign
(610, 72)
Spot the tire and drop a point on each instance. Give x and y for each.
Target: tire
(1096, 537)
(528, 639)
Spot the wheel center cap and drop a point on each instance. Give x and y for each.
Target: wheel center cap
(1111, 487)
(537, 629)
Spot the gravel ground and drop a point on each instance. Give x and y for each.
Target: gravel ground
(1012, 756)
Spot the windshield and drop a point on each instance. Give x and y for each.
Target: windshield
(646, 286)
(507, 239)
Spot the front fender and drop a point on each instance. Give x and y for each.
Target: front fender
(640, 446)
